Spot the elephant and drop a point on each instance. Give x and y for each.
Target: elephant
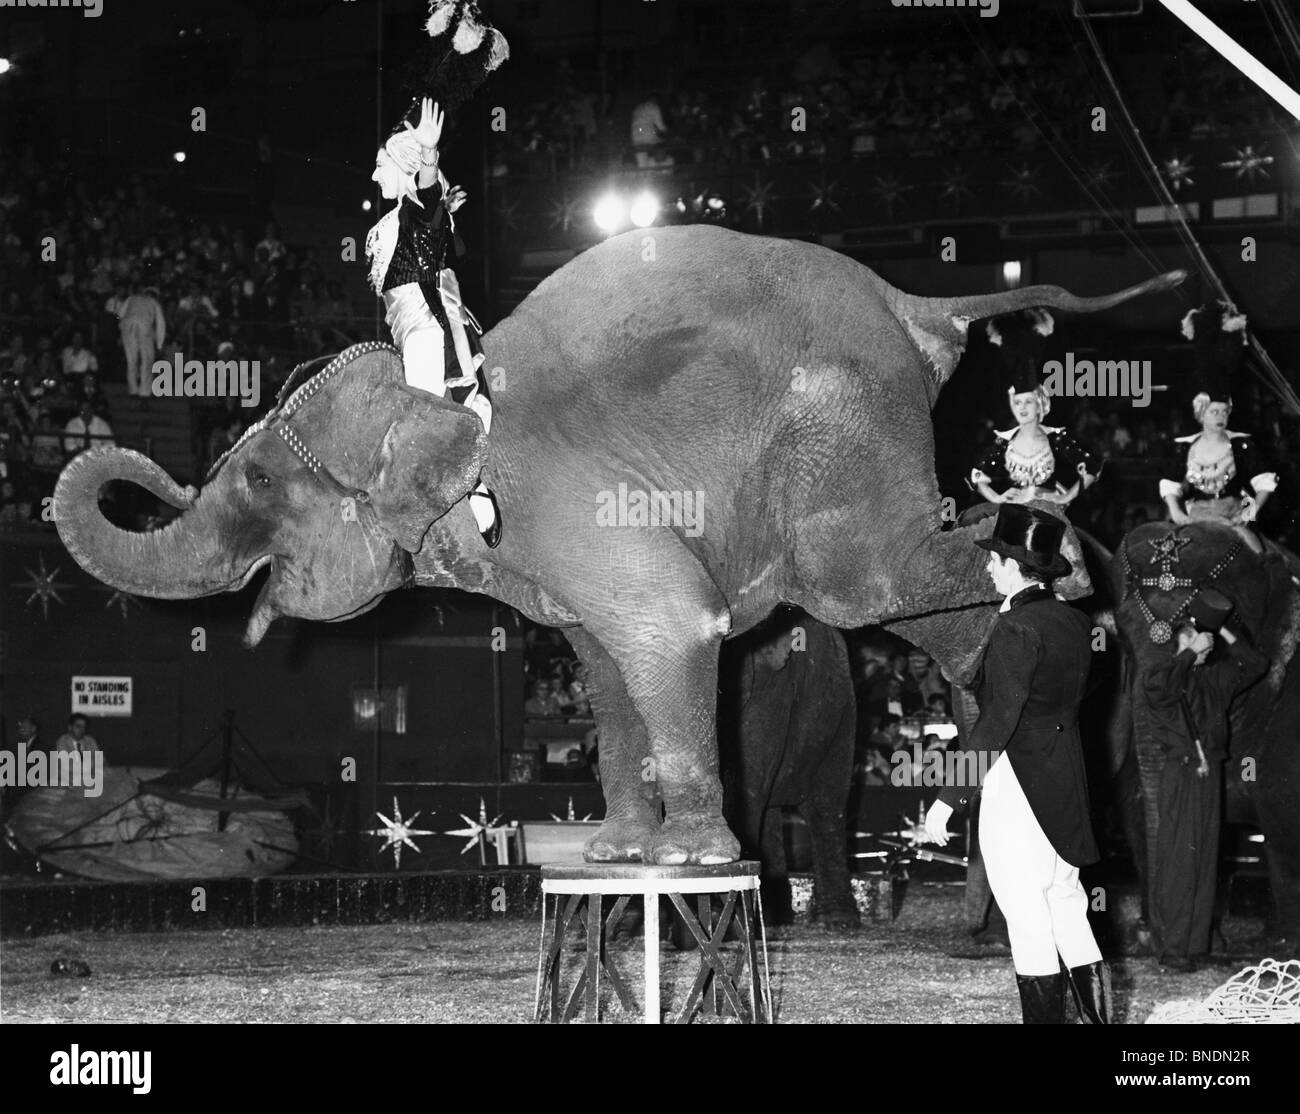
(1262, 782)
(786, 725)
(691, 426)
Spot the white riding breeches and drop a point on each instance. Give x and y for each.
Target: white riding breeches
(1039, 892)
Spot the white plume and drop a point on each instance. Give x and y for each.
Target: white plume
(440, 13)
(992, 330)
(1189, 324)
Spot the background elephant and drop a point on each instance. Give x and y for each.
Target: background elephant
(1262, 776)
(786, 731)
(691, 426)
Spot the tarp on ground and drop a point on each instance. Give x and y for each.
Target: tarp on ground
(129, 834)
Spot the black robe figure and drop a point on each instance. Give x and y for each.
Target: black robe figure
(1035, 831)
(1189, 696)
(1220, 475)
(1030, 460)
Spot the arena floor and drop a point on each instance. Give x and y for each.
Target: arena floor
(920, 967)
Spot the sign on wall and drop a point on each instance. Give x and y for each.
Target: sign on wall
(101, 696)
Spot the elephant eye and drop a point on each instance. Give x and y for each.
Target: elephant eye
(259, 479)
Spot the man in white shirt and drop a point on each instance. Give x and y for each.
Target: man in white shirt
(87, 430)
(77, 358)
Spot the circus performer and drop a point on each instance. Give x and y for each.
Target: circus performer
(1030, 460)
(411, 247)
(1220, 475)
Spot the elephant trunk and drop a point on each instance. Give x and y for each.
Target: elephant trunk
(184, 560)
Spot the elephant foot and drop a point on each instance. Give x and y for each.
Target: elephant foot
(701, 840)
(621, 840)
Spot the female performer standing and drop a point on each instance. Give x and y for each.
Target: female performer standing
(1034, 828)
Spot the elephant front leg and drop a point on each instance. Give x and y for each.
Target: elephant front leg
(673, 684)
(626, 770)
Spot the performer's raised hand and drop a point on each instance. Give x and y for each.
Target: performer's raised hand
(429, 130)
(456, 197)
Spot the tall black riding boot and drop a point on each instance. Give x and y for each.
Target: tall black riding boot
(1042, 998)
(1091, 986)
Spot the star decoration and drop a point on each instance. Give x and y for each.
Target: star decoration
(328, 831)
(1099, 177)
(1021, 183)
(396, 832)
(890, 191)
(506, 214)
(955, 185)
(564, 213)
(759, 198)
(43, 585)
(824, 198)
(1179, 172)
(1248, 163)
(474, 828)
(119, 599)
(1167, 548)
(571, 815)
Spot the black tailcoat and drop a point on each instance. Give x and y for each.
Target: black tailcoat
(1029, 686)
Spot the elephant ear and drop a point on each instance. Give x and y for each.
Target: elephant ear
(429, 460)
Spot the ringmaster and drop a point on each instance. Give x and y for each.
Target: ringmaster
(1034, 826)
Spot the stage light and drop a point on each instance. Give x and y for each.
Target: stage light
(366, 206)
(5, 65)
(179, 156)
(645, 210)
(1011, 274)
(610, 213)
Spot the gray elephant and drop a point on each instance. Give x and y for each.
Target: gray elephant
(1157, 569)
(786, 731)
(691, 426)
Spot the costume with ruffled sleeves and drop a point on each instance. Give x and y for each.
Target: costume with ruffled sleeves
(1053, 470)
(1219, 487)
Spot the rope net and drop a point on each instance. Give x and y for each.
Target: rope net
(1266, 994)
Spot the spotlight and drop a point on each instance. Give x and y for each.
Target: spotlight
(1011, 274)
(610, 213)
(645, 210)
(366, 206)
(5, 65)
(179, 156)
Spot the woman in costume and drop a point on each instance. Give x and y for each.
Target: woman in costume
(1031, 460)
(1220, 475)
(409, 248)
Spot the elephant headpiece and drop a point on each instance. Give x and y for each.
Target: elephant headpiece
(1021, 340)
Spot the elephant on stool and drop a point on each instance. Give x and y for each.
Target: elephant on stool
(690, 427)
(1157, 569)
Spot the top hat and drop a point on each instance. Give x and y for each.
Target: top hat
(1209, 610)
(1032, 538)
(1218, 332)
(1021, 341)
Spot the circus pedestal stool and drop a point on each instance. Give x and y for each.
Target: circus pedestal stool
(576, 894)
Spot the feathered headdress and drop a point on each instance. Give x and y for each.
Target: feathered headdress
(463, 48)
(1219, 334)
(1020, 338)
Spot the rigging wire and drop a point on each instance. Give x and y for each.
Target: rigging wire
(1271, 373)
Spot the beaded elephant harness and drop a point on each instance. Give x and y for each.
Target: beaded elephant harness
(297, 391)
(1165, 552)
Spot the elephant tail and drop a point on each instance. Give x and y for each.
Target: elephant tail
(938, 326)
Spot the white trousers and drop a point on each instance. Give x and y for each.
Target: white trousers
(140, 353)
(1038, 892)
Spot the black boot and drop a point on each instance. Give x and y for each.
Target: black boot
(1042, 998)
(492, 533)
(1091, 986)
